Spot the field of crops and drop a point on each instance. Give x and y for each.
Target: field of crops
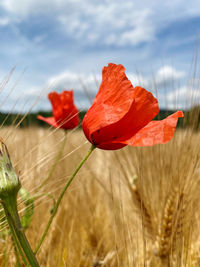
(130, 207)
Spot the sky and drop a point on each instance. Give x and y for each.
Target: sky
(56, 45)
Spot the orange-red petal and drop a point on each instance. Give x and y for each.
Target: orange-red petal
(56, 103)
(64, 111)
(67, 99)
(119, 110)
(156, 132)
(112, 102)
(70, 119)
(143, 109)
(49, 120)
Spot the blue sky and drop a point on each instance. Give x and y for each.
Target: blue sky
(63, 44)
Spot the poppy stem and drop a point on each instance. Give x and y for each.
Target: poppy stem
(58, 156)
(61, 197)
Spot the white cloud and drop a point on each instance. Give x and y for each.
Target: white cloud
(4, 21)
(105, 22)
(110, 24)
(24, 8)
(167, 74)
(138, 80)
(73, 80)
(183, 98)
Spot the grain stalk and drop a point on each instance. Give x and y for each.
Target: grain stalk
(171, 236)
(165, 231)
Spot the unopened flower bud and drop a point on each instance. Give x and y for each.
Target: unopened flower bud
(9, 181)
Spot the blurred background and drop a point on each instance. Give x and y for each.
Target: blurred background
(52, 45)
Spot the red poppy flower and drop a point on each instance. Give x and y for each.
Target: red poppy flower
(121, 114)
(65, 113)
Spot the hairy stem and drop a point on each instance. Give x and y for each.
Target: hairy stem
(10, 207)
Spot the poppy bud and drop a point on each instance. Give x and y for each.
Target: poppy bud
(9, 180)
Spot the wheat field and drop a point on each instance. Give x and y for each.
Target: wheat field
(131, 207)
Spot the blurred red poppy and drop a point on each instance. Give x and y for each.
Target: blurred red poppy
(122, 115)
(65, 113)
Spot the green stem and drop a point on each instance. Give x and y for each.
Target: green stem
(5, 256)
(17, 264)
(58, 156)
(10, 207)
(61, 196)
(14, 237)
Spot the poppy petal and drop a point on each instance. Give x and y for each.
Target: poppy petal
(64, 110)
(69, 119)
(56, 103)
(49, 120)
(156, 132)
(67, 99)
(143, 109)
(112, 102)
(117, 107)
